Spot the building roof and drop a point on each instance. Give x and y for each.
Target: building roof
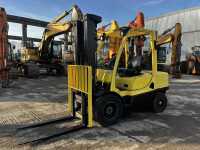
(190, 21)
(175, 12)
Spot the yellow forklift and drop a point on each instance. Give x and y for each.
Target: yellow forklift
(117, 86)
(78, 115)
(102, 93)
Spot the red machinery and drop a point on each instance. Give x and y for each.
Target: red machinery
(3, 48)
(138, 22)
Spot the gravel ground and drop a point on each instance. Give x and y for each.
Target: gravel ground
(32, 100)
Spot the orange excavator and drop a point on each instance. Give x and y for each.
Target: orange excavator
(110, 38)
(3, 48)
(138, 23)
(193, 61)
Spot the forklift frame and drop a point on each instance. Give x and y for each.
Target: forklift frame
(80, 81)
(124, 44)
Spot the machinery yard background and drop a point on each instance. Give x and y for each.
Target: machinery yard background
(89, 82)
(190, 20)
(37, 99)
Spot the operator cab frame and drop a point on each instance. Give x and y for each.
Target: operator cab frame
(148, 78)
(115, 92)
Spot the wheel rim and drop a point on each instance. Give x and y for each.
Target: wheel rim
(110, 111)
(160, 103)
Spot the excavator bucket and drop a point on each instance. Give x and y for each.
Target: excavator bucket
(114, 26)
(194, 70)
(138, 22)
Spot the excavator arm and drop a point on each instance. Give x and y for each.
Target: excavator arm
(49, 33)
(111, 31)
(56, 27)
(164, 39)
(175, 39)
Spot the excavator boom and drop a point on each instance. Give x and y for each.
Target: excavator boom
(175, 39)
(76, 14)
(164, 39)
(49, 54)
(56, 27)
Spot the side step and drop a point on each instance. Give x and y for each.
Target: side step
(42, 131)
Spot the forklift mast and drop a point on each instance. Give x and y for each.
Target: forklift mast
(57, 27)
(81, 76)
(86, 45)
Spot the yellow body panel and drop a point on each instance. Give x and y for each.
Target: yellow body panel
(80, 80)
(162, 80)
(143, 82)
(28, 54)
(104, 76)
(135, 85)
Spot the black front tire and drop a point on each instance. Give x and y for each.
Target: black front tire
(108, 109)
(31, 70)
(159, 102)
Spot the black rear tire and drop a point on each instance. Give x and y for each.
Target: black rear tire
(60, 71)
(5, 84)
(108, 109)
(159, 102)
(31, 70)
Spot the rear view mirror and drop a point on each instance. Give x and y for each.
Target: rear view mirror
(155, 45)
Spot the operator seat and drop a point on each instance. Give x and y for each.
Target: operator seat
(134, 67)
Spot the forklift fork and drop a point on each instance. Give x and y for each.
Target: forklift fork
(79, 83)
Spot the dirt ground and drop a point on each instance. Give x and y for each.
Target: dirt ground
(32, 100)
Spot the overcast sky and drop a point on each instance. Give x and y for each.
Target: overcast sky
(120, 10)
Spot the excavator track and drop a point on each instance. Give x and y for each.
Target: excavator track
(46, 130)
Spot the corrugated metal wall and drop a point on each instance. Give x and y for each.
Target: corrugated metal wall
(190, 20)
